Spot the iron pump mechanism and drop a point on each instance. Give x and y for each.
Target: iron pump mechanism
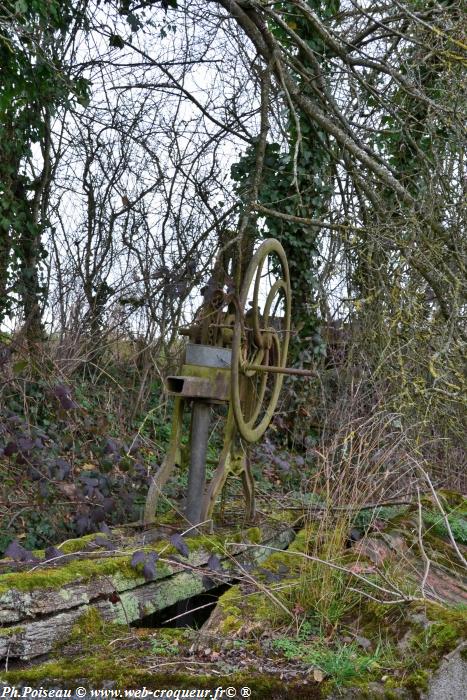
(237, 356)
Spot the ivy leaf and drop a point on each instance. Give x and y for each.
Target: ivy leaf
(82, 525)
(137, 558)
(62, 469)
(207, 582)
(97, 515)
(214, 563)
(180, 545)
(112, 447)
(89, 481)
(18, 553)
(114, 597)
(152, 557)
(10, 449)
(63, 393)
(283, 464)
(52, 553)
(149, 570)
(133, 21)
(25, 444)
(19, 366)
(116, 41)
(15, 551)
(107, 504)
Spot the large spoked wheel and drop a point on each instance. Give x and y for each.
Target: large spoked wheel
(260, 340)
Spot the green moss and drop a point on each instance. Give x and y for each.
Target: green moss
(240, 612)
(377, 619)
(228, 602)
(117, 568)
(92, 668)
(446, 628)
(285, 517)
(230, 624)
(171, 517)
(391, 695)
(91, 635)
(215, 543)
(170, 634)
(418, 680)
(82, 570)
(245, 614)
(97, 670)
(232, 608)
(253, 535)
(207, 543)
(458, 524)
(90, 624)
(366, 517)
(85, 569)
(10, 631)
(300, 544)
(73, 572)
(165, 644)
(453, 501)
(79, 544)
(303, 539)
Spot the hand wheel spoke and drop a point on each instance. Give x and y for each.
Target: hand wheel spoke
(259, 343)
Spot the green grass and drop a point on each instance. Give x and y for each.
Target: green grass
(457, 523)
(164, 647)
(364, 518)
(341, 663)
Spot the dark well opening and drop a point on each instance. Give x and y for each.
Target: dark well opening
(175, 384)
(192, 612)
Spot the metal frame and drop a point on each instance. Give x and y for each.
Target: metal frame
(215, 373)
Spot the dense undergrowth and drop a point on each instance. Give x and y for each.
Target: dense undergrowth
(278, 630)
(74, 453)
(77, 449)
(78, 453)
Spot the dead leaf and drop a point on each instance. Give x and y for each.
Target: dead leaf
(361, 569)
(318, 675)
(68, 490)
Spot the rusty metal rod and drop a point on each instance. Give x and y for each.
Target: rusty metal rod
(228, 326)
(280, 370)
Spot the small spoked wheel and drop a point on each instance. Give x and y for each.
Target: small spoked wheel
(261, 340)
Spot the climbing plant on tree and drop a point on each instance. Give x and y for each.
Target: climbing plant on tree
(295, 177)
(34, 83)
(410, 279)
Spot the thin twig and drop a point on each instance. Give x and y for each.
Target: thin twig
(422, 548)
(330, 564)
(192, 610)
(445, 517)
